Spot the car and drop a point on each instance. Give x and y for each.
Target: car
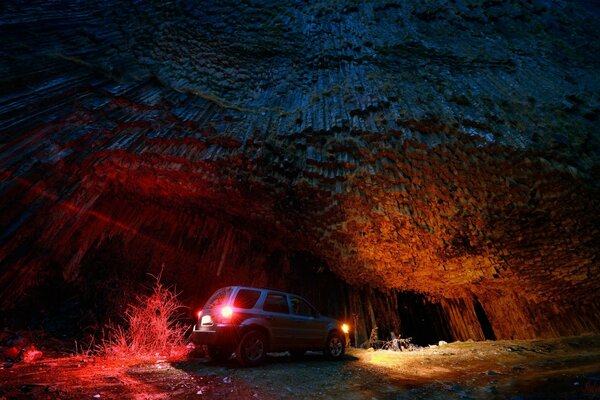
(254, 321)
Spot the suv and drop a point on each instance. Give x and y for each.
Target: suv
(251, 322)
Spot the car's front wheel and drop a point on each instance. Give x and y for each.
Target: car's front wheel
(334, 347)
(219, 354)
(252, 349)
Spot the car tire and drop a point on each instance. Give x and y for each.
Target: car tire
(219, 354)
(334, 346)
(252, 349)
(297, 354)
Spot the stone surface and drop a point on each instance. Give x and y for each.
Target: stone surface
(449, 149)
(565, 368)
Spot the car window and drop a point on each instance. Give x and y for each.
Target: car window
(219, 297)
(246, 298)
(276, 303)
(301, 307)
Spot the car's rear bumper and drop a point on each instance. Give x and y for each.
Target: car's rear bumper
(215, 335)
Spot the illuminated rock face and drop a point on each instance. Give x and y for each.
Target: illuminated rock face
(449, 149)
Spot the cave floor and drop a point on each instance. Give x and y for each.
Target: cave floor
(565, 368)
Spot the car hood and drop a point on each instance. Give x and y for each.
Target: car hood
(330, 320)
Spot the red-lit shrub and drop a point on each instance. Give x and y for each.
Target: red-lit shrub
(151, 328)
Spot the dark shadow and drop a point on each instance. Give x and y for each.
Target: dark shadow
(281, 376)
(486, 327)
(277, 360)
(421, 319)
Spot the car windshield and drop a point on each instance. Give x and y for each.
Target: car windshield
(218, 298)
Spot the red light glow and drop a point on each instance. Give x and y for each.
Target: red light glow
(226, 312)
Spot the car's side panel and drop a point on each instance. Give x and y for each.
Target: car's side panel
(278, 317)
(310, 331)
(257, 321)
(290, 322)
(311, 327)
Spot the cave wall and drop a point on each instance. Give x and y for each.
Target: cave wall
(448, 150)
(106, 253)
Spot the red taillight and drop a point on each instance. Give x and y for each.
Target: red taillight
(226, 312)
(199, 313)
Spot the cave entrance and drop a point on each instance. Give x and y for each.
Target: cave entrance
(422, 319)
(486, 326)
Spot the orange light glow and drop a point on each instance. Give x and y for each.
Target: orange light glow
(345, 328)
(226, 312)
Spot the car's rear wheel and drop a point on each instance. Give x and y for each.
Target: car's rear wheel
(219, 354)
(252, 349)
(334, 347)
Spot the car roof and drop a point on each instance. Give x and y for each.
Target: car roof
(261, 289)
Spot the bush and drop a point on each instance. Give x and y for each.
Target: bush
(151, 328)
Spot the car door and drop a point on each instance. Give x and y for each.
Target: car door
(310, 330)
(277, 312)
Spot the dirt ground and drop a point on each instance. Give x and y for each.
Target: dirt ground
(565, 368)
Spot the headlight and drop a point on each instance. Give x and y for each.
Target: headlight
(345, 328)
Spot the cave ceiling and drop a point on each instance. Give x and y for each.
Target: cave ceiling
(432, 146)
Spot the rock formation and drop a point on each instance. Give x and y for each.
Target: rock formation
(435, 156)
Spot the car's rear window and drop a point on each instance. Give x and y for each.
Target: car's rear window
(218, 298)
(246, 298)
(276, 303)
